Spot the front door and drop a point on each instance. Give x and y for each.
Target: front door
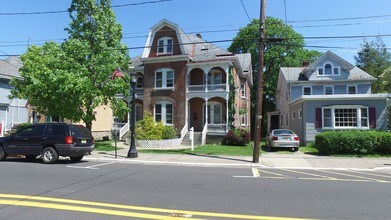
(214, 112)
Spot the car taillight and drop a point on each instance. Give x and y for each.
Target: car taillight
(68, 140)
(296, 138)
(274, 138)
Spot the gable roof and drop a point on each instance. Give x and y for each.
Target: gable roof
(297, 74)
(9, 68)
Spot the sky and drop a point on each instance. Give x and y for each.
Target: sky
(214, 19)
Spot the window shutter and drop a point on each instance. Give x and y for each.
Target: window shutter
(318, 118)
(372, 117)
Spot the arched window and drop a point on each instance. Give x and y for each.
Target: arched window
(164, 112)
(165, 45)
(164, 78)
(327, 69)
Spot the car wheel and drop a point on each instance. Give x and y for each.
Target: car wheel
(77, 159)
(3, 155)
(30, 157)
(49, 155)
(295, 149)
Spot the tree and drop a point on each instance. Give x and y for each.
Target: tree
(71, 79)
(374, 59)
(284, 48)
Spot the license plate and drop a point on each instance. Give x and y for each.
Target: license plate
(83, 141)
(286, 138)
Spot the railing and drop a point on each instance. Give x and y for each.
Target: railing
(123, 129)
(217, 128)
(207, 88)
(204, 131)
(184, 131)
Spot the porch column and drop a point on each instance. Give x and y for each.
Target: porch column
(227, 118)
(206, 111)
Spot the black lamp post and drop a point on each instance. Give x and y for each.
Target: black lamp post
(132, 153)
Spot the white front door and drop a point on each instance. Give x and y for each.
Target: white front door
(214, 112)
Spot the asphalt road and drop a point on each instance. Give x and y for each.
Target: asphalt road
(106, 190)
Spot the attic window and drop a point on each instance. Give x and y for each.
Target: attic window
(205, 47)
(165, 45)
(328, 69)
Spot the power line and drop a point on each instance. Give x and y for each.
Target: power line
(245, 10)
(66, 11)
(340, 19)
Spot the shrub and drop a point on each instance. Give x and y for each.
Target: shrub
(147, 129)
(169, 132)
(353, 142)
(236, 137)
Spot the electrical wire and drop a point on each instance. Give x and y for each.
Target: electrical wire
(66, 11)
(245, 10)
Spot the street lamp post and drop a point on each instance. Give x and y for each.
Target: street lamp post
(132, 153)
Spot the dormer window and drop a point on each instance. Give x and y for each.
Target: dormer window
(328, 69)
(165, 45)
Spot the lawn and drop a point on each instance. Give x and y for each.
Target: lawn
(105, 146)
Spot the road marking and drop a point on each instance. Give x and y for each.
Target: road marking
(74, 205)
(310, 174)
(255, 172)
(277, 174)
(345, 174)
(371, 174)
(93, 167)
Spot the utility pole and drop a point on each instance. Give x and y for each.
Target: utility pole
(259, 89)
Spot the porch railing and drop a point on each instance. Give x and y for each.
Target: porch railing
(207, 88)
(123, 128)
(184, 131)
(217, 128)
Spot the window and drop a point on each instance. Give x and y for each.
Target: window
(300, 114)
(165, 45)
(243, 90)
(243, 119)
(328, 69)
(164, 112)
(307, 91)
(164, 78)
(328, 90)
(54, 119)
(345, 117)
(140, 82)
(286, 119)
(281, 119)
(352, 90)
(293, 115)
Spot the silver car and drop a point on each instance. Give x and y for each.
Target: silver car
(283, 138)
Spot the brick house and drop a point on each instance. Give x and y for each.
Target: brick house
(186, 82)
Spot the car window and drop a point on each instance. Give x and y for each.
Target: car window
(38, 130)
(79, 130)
(279, 132)
(26, 131)
(55, 130)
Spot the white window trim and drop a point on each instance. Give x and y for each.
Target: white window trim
(164, 111)
(164, 78)
(293, 115)
(332, 70)
(351, 85)
(243, 91)
(310, 87)
(243, 119)
(332, 90)
(300, 114)
(165, 45)
(358, 120)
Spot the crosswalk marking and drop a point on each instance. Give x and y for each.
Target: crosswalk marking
(350, 175)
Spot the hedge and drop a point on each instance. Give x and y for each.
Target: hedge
(353, 142)
(236, 137)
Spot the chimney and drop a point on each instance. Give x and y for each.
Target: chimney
(199, 36)
(305, 63)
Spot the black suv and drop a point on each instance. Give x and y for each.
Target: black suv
(50, 140)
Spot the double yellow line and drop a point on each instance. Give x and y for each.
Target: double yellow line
(116, 209)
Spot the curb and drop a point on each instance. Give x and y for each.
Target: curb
(229, 165)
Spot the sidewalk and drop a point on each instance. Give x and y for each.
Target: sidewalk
(297, 160)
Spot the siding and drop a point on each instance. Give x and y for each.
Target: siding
(310, 106)
(364, 89)
(340, 89)
(296, 125)
(317, 90)
(296, 92)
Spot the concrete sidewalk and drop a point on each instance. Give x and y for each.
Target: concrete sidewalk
(271, 160)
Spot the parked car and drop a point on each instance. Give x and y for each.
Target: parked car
(50, 140)
(282, 138)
